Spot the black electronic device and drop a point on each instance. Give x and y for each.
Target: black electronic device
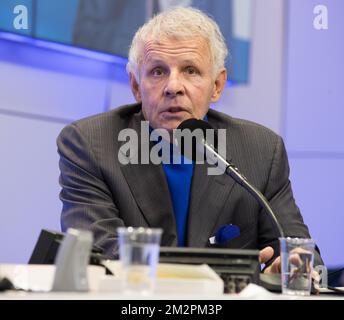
(48, 244)
(46, 247)
(236, 267)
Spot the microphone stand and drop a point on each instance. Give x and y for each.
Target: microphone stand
(231, 170)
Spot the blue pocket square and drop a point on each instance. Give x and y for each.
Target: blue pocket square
(225, 233)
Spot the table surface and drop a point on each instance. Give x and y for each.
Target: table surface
(40, 277)
(257, 293)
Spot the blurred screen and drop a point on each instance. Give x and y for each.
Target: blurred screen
(109, 25)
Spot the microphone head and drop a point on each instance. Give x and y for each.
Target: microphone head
(190, 137)
(193, 124)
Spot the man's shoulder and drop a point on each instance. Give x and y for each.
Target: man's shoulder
(115, 117)
(103, 125)
(239, 126)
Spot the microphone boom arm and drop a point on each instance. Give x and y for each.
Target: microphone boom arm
(231, 170)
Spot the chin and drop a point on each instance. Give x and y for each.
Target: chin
(174, 124)
(168, 125)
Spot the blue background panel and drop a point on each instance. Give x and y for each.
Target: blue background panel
(55, 20)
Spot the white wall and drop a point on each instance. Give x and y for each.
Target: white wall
(42, 90)
(313, 121)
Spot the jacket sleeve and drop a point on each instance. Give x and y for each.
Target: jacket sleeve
(87, 201)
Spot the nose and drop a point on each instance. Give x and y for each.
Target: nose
(174, 86)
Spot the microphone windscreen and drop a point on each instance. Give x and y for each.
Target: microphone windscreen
(190, 136)
(193, 124)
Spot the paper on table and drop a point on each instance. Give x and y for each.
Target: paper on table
(171, 278)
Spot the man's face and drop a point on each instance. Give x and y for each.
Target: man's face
(176, 81)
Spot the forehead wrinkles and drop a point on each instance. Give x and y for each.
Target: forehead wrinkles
(198, 49)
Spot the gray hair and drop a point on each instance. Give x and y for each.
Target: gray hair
(180, 22)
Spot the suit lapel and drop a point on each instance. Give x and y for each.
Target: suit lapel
(150, 190)
(208, 196)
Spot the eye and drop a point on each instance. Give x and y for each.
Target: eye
(157, 72)
(191, 70)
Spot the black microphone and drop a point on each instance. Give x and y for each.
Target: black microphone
(208, 150)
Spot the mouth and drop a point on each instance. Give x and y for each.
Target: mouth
(174, 110)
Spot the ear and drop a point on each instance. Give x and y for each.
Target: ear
(219, 85)
(135, 88)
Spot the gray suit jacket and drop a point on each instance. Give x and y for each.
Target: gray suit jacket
(100, 194)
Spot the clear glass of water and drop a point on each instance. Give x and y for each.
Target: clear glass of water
(139, 255)
(297, 258)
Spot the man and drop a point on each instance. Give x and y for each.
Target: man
(176, 70)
